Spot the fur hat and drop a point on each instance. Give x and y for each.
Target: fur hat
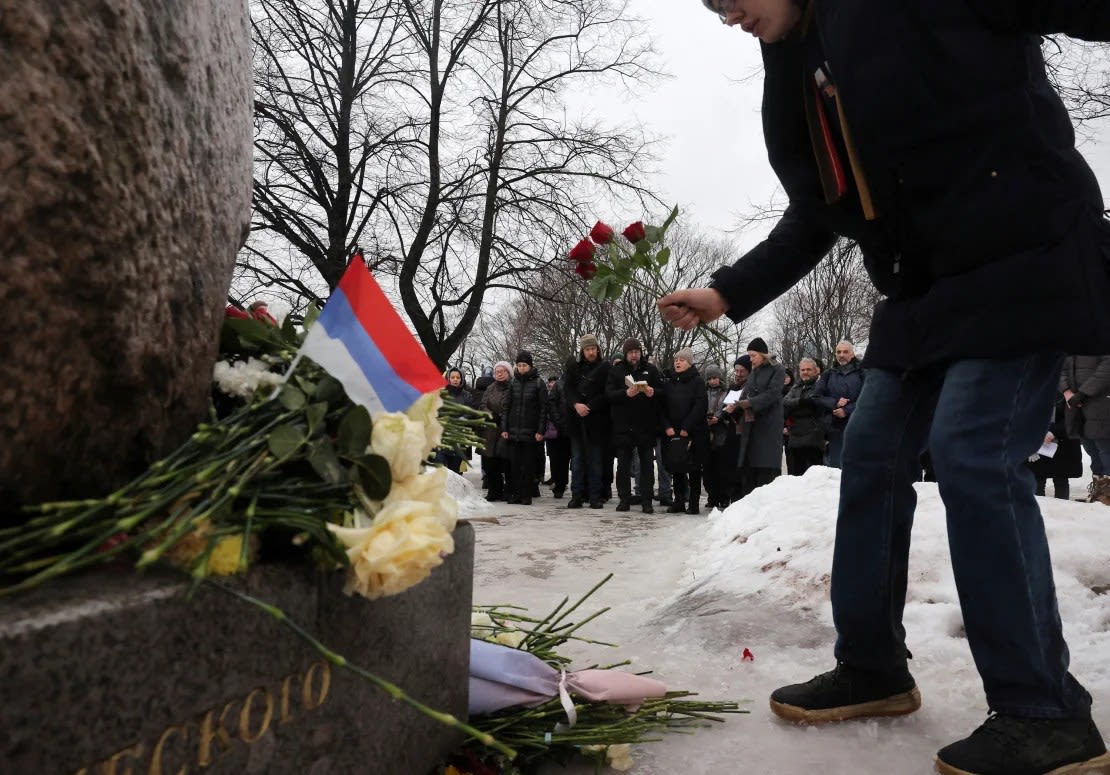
(714, 371)
(757, 345)
(524, 357)
(505, 365)
(744, 360)
(630, 345)
(588, 340)
(685, 354)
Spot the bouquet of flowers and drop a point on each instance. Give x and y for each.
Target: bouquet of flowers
(610, 263)
(576, 722)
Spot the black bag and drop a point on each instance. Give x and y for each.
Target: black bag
(678, 454)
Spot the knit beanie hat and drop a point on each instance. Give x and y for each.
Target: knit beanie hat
(630, 345)
(758, 345)
(685, 354)
(714, 371)
(587, 340)
(524, 357)
(505, 365)
(745, 361)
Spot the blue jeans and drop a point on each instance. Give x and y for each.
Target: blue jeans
(1099, 452)
(586, 468)
(981, 419)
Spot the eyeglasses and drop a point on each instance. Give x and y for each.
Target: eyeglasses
(720, 7)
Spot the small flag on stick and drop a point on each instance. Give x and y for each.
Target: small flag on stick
(361, 341)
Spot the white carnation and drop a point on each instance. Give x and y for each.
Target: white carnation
(243, 378)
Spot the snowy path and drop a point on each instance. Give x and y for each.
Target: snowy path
(690, 593)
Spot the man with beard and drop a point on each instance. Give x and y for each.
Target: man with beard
(631, 391)
(587, 421)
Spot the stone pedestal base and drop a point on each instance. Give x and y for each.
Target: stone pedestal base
(114, 673)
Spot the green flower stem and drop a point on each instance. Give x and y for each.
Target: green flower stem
(389, 688)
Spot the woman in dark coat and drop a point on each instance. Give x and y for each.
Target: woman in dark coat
(1067, 461)
(806, 418)
(761, 448)
(684, 408)
(522, 425)
(495, 455)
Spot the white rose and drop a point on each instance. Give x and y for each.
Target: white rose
(480, 619)
(620, 757)
(401, 442)
(512, 638)
(425, 410)
(430, 487)
(398, 551)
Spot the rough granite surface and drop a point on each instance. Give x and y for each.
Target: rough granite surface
(125, 186)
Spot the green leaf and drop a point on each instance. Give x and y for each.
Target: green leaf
(251, 331)
(291, 398)
(663, 256)
(289, 330)
(315, 413)
(305, 384)
(284, 441)
(603, 270)
(312, 311)
(643, 247)
(324, 462)
(670, 218)
(614, 291)
(372, 472)
(329, 389)
(354, 433)
(652, 234)
(598, 287)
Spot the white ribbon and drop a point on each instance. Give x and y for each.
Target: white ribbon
(564, 698)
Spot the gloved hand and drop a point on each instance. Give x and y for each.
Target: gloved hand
(1077, 400)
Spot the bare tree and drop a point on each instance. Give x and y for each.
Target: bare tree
(833, 302)
(1080, 71)
(329, 130)
(514, 174)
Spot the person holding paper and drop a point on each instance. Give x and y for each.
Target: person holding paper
(634, 407)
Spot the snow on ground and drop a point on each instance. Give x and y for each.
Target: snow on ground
(690, 593)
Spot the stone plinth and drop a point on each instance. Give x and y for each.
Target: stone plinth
(116, 673)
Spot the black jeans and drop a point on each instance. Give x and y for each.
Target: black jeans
(646, 454)
(522, 467)
(558, 453)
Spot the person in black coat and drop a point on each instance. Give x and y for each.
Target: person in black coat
(684, 409)
(1064, 464)
(806, 419)
(838, 391)
(635, 413)
(523, 423)
(557, 437)
(588, 424)
(931, 136)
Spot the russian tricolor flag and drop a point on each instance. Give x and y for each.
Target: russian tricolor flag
(361, 341)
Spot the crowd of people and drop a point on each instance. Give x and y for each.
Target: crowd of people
(663, 434)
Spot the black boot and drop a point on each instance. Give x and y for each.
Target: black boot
(647, 507)
(576, 502)
(693, 508)
(1010, 745)
(846, 692)
(624, 505)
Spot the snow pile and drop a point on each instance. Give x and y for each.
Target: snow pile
(470, 499)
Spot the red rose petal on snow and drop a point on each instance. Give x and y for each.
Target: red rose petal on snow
(747, 656)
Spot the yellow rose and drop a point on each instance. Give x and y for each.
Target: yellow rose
(620, 757)
(429, 487)
(396, 552)
(425, 410)
(401, 442)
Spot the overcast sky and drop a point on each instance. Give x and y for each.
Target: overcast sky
(714, 163)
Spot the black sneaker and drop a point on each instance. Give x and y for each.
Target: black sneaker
(1011, 745)
(624, 505)
(575, 502)
(844, 693)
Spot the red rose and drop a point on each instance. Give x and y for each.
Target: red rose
(583, 252)
(601, 233)
(635, 232)
(234, 312)
(586, 269)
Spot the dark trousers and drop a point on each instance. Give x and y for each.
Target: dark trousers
(558, 454)
(686, 488)
(981, 418)
(803, 460)
(522, 467)
(713, 472)
(1061, 487)
(587, 461)
(497, 469)
(645, 453)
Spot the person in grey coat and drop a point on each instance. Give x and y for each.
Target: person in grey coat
(1085, 384)
(761, 449)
